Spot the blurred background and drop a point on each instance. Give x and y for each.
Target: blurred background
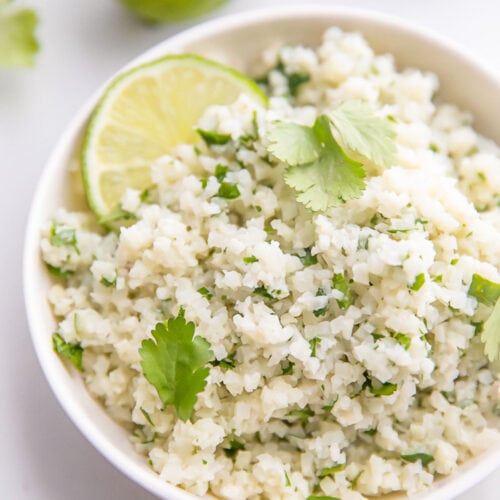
(82, 43)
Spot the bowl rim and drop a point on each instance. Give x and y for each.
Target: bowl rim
(145, 478)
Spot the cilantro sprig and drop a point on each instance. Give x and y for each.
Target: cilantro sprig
(174, 363)
(488, 293)
(320, 170)
(18, 43)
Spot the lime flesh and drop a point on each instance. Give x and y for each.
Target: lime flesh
(144, 114)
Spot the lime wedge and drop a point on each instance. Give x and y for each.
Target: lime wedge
(143, 115)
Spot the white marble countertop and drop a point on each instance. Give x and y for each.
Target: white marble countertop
(42, 455)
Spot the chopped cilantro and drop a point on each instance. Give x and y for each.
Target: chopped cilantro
(404, 340)
(330, 471)
(228, 190)
(454, 261)
(205, 292)
(323, 310)
(203, 182)
(287, 480)
(433, 147)
(61, 236)
(438, 279)
(249, 260)
(107, 283)
(377, 336)
(295, 80)
(424, 458)
(371, 432)
(485, 291)
(312, 344)
(58, 272)
(287, 369)
(226, 363)
(147, 416)
(212, 138)
(380, 389)
(340, 283)
(302, 415)
(73, 352)
(175, 364)
(234, 447)
(308, 259)
(220, 172)
(260, 290)
(354, 480)
(418, 283)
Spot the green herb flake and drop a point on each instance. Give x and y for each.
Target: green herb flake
(220, 172)
(107, 283)
(371, 432)
(308, 259)
(250, 260)
(205, 292)
(227, 363)
(147, 416)
(234, 447)
(330, 471)
(355, 479)
(381, 389)
(203, 182)
(418, 283)
(59, 272)
(228, 190)
(454, 261)
(174, 363)
(61, 236)
(485, 291)
(287, 480)
(260, 290)
(73, 352)
(287, 369)
(404, 340)
(424, 458)
(312, 344)
(341, 284)
(295, 80)
(434, 147)
(301, 415)
(212, 138)
(377, 336)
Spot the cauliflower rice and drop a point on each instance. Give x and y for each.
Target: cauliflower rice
(296, 389)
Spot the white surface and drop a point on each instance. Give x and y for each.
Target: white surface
(42, 456)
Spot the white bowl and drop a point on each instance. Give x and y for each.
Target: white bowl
(238, 40)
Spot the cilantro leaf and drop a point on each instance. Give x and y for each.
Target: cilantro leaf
(212, 138)
(294, 144)
(73, 352)
(329, 180)
(18, 44)
(364, 132)
(425, 458)
(175, 364)
(342, 285)
(228, 190)
(491, 333)
(485, 291)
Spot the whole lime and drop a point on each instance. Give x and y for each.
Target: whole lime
(171, 10)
